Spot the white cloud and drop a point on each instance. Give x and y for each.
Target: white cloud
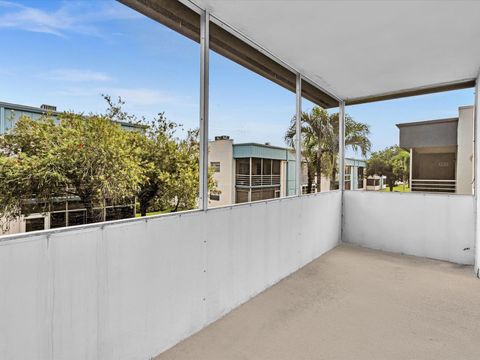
(76, 75)
(70, 17)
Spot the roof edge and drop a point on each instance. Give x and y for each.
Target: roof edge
(421, 90)
(428, 122)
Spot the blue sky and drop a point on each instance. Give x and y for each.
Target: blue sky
(67, 53)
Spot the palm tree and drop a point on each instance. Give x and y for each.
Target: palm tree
(320, 142)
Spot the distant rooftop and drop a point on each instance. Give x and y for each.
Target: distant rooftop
(268, 146)
(45, 109)
(428, 122)
(244, 150)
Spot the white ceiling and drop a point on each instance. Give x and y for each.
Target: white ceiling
(363, 48)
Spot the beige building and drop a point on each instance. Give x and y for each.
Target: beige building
(441, 153)
(250, 172)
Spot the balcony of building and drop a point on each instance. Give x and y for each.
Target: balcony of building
(440, 153)
(338, 274)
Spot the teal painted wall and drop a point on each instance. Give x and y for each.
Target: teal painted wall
(10, 118)
(259, 151)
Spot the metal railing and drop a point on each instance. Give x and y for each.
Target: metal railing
(428, 185)
(257, 180)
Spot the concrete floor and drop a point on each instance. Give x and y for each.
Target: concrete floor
(351, 303)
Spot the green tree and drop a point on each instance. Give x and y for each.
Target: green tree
(93, 158)
(26, 169)
(158, 153)
(401, 166)
(171, 164)
(86, 156)
(320, 142)
(392, 162)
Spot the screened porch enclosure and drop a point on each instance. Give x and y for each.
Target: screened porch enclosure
(135, 288)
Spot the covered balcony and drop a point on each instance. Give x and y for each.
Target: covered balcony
(440, 153)
(328, 275)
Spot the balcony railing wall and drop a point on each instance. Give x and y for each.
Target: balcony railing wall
(426, 185)
(132, 288)
(257, 180)
(438, 226)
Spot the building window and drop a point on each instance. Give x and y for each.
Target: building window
(215, 197)
(241, 196)
(256, 166)
(215, 165)
(243, 166)
(58, 219)
(373, 182)
(348, 177)
(276, 167)
(360, 176)
(265, 193)
(267, 167)
(34, 224)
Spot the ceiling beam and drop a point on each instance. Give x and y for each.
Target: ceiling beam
(457, 85)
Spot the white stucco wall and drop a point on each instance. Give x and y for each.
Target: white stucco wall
(477, 175)
(14, 227)
(222, 151)
(464, 171)
(132, 288)
(438, 226)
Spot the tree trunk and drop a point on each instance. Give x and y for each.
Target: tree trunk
(334, 175)
(175, 209)
(309, 180)
(146, 195)
(87, 202)
(144, 207)
(319, 170)
(390, 184)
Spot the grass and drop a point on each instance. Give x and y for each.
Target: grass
(398, 188)
(154, 213)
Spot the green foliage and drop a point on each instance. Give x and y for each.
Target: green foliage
(171, 164)
(86, 156)
(392, 162)
(320, 142)
(93, 158)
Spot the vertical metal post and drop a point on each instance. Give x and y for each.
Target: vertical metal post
(476, 171)
(2, 120)
(66, 213)
(204, 91)
(341, 146)
(298, 137)
(104, 212)
(250, 181)
(410, 172)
